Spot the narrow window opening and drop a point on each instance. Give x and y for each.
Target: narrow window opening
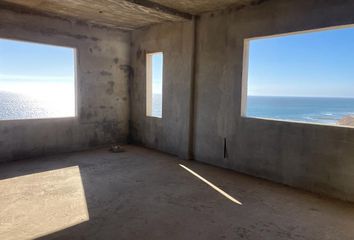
(303, 77)
(154, 84)
(37, 81)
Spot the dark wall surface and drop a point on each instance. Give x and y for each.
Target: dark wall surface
(103, 58)
(171, 132)
(313, 157)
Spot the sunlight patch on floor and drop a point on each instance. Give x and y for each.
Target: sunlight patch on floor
(211, 185)
(38, 204)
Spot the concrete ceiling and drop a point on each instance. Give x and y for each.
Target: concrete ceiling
(200, 6)
(123, 14)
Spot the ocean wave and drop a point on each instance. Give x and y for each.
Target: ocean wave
(323, 118)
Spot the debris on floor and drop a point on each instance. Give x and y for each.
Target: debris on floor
(116, 148)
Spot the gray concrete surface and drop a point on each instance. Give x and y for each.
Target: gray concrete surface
(201, 6)
(145, 194)
(313, 157)
(102, 85)
(171, 133)
(126, 15)
(111, 95)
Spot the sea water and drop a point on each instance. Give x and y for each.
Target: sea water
(303, 109)
(21, 106)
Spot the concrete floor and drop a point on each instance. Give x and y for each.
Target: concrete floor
(144, 194)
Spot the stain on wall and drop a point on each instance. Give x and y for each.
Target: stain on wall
(313, 157)
(111, 95)
(102, 89)
(171, 132)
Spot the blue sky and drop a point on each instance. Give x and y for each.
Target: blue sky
(312, 64)
(157, 72)
(37, 70)
(27, 61)
(317, 64)
(27, 66)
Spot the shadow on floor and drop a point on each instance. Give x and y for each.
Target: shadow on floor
(144, 194)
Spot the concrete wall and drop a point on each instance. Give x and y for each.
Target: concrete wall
(103, 58)
(313, 157)
(171, 132)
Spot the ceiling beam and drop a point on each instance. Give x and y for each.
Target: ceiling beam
(160, 8)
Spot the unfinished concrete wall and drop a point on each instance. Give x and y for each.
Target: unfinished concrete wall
(313, 157)
(103, 58)
(171, 132)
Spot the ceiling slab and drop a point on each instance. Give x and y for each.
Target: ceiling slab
(111, 13)
(200, 6)
(123, 14)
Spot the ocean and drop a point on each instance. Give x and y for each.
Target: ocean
(303, 109)
(20, 106)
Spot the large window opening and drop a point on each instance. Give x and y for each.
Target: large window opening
(36, 81)
(154, 83)
(303, 77)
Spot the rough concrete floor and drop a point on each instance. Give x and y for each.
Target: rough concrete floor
(144, 194)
